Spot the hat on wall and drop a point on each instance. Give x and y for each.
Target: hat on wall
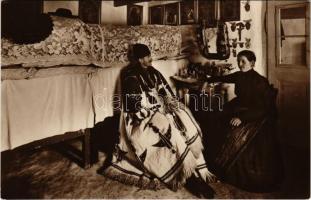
(63, 12)
(140, 51)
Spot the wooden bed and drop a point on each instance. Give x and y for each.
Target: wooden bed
(51, 92)
(30, 112)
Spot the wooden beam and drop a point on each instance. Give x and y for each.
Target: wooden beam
(127, 2)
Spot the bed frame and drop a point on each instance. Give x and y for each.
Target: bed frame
(84, 154)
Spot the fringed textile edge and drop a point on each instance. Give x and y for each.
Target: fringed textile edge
(184, 172)
(142, 181)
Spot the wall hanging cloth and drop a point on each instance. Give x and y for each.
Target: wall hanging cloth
(73, 42)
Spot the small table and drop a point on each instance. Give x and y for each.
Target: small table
(186, 83)
(183, 85)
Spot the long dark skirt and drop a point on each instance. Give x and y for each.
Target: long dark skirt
(250, 157)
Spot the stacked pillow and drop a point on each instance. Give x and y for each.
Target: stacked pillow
(73, 42)
(69, 43)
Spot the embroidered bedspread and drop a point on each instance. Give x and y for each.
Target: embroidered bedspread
(73, 42)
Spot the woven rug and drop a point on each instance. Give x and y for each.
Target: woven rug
(45, 173)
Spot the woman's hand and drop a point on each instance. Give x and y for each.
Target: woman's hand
(235, 121)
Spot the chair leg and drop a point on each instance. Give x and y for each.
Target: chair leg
(93, 148)
(86, 149)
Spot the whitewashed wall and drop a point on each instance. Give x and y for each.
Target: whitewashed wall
(257, 33)
(118, 15)
(113, 15)
(258, 40)
(109, 14)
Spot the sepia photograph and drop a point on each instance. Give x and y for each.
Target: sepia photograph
(134, 15)
(147, 99)
(187, 12)
(230, 10)
(171, 14)
(90, 11)
(208, 17)
(156, 14)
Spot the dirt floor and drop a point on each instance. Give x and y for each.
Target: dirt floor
(45, 173)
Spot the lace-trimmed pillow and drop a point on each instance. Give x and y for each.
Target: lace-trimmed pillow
(73, 42)
(163, 41)
(69, 43)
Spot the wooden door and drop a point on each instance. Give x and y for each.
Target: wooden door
(288, 53)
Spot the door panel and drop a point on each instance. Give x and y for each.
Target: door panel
(289, 67)
(293, 116)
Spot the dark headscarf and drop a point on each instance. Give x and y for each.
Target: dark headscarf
(140, 51)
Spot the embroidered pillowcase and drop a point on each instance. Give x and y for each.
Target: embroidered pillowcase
(73, 42)
(69, 43)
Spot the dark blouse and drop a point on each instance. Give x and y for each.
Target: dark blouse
(253, 93)
(137, 80)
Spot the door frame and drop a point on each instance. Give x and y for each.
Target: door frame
(279, 74)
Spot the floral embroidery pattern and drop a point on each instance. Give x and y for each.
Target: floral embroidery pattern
(74, 42)
(69, 39)
(162, 40)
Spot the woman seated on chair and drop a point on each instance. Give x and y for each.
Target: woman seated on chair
(249, 156)
(160, 142)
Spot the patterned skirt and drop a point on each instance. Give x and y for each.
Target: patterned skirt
(163, 149)
(250, 157)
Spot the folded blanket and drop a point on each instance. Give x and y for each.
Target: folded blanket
(73, 42)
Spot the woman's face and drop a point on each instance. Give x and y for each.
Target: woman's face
(146, 61)
(244, 64)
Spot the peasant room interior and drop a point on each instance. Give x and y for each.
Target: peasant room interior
(60, 89)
